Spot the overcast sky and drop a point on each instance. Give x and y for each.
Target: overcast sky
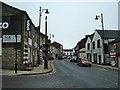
(71, 21)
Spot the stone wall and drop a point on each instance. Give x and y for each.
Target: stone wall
(9, 57)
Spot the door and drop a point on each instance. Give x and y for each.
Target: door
(99, 59)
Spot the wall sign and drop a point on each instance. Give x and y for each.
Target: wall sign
(4, 25)
(28, 25)
(11, 38)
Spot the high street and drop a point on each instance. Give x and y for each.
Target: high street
(67, 75)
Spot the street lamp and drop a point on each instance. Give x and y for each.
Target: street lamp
(41, 11)
(46, 46)
(16, 54)
(101, 18)
(40, 14)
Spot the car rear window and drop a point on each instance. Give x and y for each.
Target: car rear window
(84, 59)
(74, 57)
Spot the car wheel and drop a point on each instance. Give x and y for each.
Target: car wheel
(89, 65)
(77, 63)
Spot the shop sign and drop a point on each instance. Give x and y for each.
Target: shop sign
(11, 38)
(88, 52)
(113, 53)
(28, 25)
(94, 52)
(4, 25)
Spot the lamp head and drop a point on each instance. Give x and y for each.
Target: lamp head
(96, 18)
(47, 11)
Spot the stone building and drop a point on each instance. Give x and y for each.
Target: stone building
(57, 50)
(17, 24)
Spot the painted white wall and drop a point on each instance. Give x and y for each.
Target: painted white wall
(99, 51)
(88, 41)
(82, 55)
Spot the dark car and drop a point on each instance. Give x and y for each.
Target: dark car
(84, 62)
(73, 59)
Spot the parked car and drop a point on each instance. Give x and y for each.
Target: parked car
(73, 59)
(68, 57)
(64, 57)
(60, 58)
(84, 62)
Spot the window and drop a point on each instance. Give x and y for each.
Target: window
(93, 45)
(88, 46)
(98, 43)
(105, 48)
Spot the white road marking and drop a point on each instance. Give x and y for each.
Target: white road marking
(102, 69)
(111, 82)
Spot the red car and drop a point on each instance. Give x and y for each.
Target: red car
(84, 62)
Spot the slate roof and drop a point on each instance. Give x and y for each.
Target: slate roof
(56, 44)
(116, 40)
(91, 36)
(109, 34)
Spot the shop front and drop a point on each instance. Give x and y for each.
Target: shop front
(115, 59)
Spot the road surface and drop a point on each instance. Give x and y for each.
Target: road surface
(68, 75)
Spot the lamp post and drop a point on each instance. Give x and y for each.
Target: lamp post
(16, 54)
(46, 46)
(40, 14)
(101, 18)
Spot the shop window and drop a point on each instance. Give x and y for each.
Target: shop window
(105, 48)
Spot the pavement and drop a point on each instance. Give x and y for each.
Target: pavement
(40, 70)
(36, 70)
(106, 66)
